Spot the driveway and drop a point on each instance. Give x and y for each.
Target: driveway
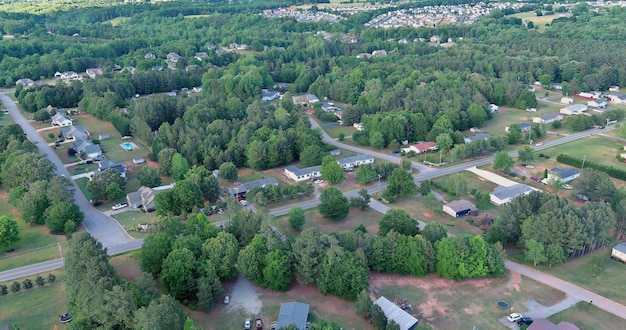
(104, 228)
(495, 178)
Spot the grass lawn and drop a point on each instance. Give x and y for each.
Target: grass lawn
(82, 185)
(36, 244)
(6, 119)
(589, 317)
(539, 21)
(336, 130)
(133, 218)
(36, 308)
(117, 20)
(127, 265)
(609, 280)
(369, 218)
(61, 152)
(594, 148)
(112, 149)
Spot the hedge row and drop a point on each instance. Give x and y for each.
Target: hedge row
(577, 162)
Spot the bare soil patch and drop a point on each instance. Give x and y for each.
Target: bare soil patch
(428, 215)
(126, 266)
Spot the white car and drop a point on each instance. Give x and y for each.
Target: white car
(226, 300)
(248, 324)
(568, 187)
(243, 202)
(514, 317)
(530, 166)
(119, 206)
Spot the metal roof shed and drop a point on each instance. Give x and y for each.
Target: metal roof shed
(397, 314)
(293, 312)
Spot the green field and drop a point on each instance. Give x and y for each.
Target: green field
(593, 148)
(589, 317)
(369, 218)
(130, 219)
(334, 131)
(539, 21)
(36, 308)
(608, 282)
(117, 20)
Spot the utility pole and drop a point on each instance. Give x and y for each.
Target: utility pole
(583, 164)
(60, 250)
(379, 176)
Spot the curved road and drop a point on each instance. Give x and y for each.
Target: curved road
(104, 228)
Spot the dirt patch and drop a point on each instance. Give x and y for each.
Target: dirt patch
(244, 296)
(127, 267)
(515, 280)
(428, 215)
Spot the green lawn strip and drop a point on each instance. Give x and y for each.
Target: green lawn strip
(596, 148)
(336, 130)
(82, 185)
(28, 257)
(589, 317)
(38, 307)
(131, 219)
(539, 21)
(609, 279)
(96, 126)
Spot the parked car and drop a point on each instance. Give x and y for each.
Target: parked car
(226, 299)
(119, 206)
(248, 324)
(258, 324)
(529, 166)
(514, 317)
(243, 202)
(536, 179)
(567, 186)
(525, 321)
(539, 144)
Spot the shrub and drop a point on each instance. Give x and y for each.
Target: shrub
(3, 290)
(40, 281)
(27, 283)
(51, 278)
(15, 287)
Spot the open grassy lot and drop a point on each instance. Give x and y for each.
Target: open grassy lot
(36, 244)
(117, 20)
(130, 219)
(369, 218)
(5, 119)
(589, 317)
(36, 308)
(336, 130)
(539, 21)
(594, 148)
(609, 279)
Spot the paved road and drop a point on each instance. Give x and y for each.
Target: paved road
(31, 270)
(104, 228)
(569, 288)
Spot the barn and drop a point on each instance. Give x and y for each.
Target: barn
(619, 252)
(459, 208)
(397, 314)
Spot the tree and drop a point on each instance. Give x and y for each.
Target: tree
(165, 160)
(209, 287)
(333, 205)
(526, 154)
(154, 250)
(365, 174)
(515, 134)
(40, 281)
(296, 218)
(228, 171)
(332, 171)
(99, 184)
(379, 319)
(114, 191)
(476, 115)
(9, 232)
(434, 231)
(401, 183)
(399, 221)
(311, 155)
(362, 202)
(343, 274)
(65, 216)
(16, 286)
(502, 161)
(41, 115)
(444, 141)
(363, 304)
(149, 176)
(178, 271)
(277, 271)
(597, 185)
(535, 251)
(377, 140)
(222, 251)
(163, 313)
(180, 166)
(308, 251)
(206, 181)
(456, 184)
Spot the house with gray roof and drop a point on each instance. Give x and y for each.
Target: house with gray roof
(355, 161)
(295, 313)
(503, 195)
(548, 118)
(142, 198)
(303, 174)
(75, 133)
(61, 119)
(87, 148)
(459, 208)
(484, 136)
(242, 189)
(393, 312)
(574, 109)
(564, 175)
(107, 164)
(619, 252)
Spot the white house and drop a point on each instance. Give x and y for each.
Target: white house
(557, 86)
(172, 57)
(493, 108)
(484, 136)
(503, 195)
(358, 126)
(548, 118)
(422, 148)
(26, 82)
(305, 99)
(75, 133)
(598, 103)
(523, 126)
(564, 175)
(614, 89)
(94, 72)
(303, 174)
(379, 53)
(61, 119)
(355, 161)
(567, 100)
(619, 252)
(67, 75)
(574, 109)
(267, 95)
(617, 98)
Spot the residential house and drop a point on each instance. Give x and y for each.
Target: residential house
(556, 86)
(75, 133)
(548, 118)
(201, 56)
(503, 195)
(303, 174)
(330, 107)
(614, 89)
(363, 55)
(149, 56)
(358, 126)
(156, 68)
(598, 103)
(197, 89)
(172, 57)
(574, 109)
(67, 75)
(267, 95)
(617, 98)
(619, 252)
(484, 136)
(87, 148)
(130, 69)
(355, 161)
(422, 148)
(590, 95)
(281, 86)
(393, 312)
(61, 119)
(94, 72)
(459, 208)
(293, 313)
(242, 189)
(564, 175)
(107, 164)
(543, 324)
(142, 198)
(567, 100)
(475, 130)
(25, 82)
(379, 53)
(523, 126)
(305, 99)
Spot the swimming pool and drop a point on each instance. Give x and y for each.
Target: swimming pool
(127, 146)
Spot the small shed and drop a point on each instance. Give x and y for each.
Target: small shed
(619, 252)
(459, 208)
(335, 152)
(294, 312)
(397, 314)
(103, 136)
(138, 160)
